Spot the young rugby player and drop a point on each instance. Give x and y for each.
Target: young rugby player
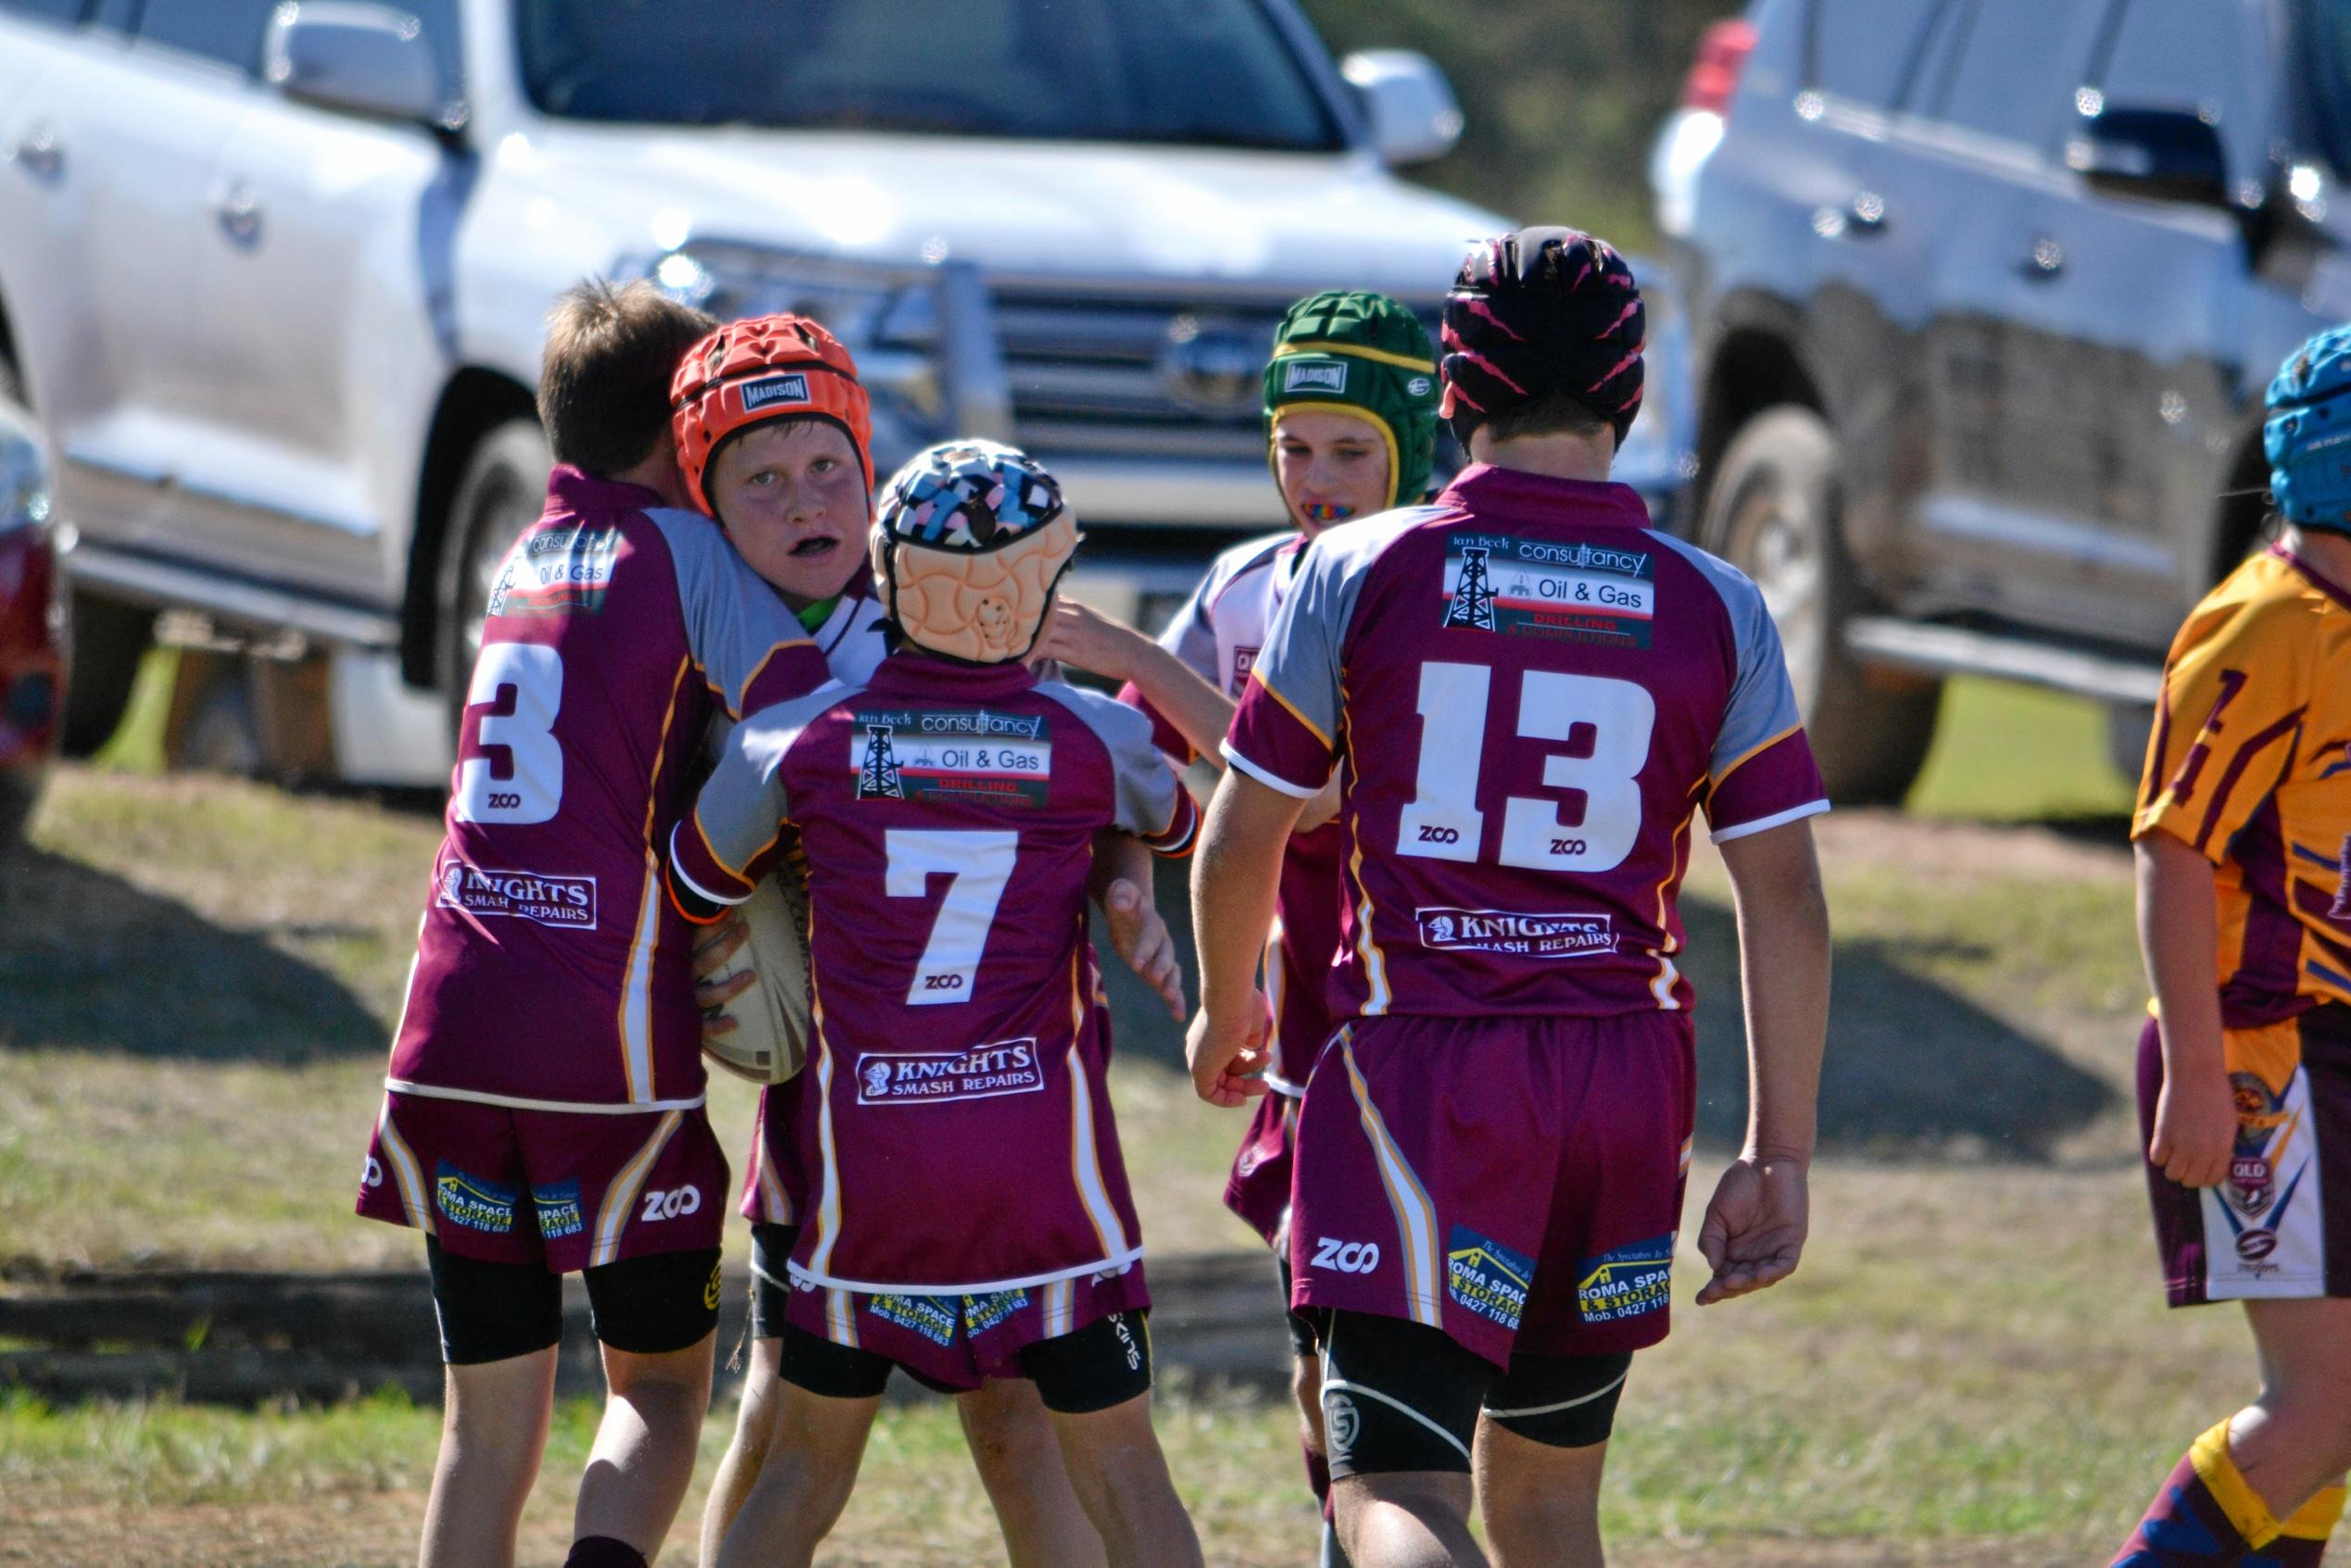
(968, 1216)
(544, 1106)
(1532, 694)
(773, 437)
(1350, 429)
(2244, 847)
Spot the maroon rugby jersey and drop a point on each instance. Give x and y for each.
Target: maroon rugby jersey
(1540, 692)
(957, 1115)
(1217, 635)
(550, 972)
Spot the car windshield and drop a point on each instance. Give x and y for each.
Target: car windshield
(1205, 72)
(2330, 66)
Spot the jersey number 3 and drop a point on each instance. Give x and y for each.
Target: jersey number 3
(1606, 725)
(532, 789)
(977, 865)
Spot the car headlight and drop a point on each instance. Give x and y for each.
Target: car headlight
(888, 317)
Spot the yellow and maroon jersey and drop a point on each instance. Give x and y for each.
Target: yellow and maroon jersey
(2250, 762)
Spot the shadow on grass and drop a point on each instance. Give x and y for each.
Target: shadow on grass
(1914, 1069)
(90, 961)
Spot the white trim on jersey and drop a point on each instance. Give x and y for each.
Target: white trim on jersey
(517, 1102)
(1119, 1264)
(636, 994)
(687, 877)
(1271, 781)
(406, 1173)
(1764, 825)
(828, 1199)
(1086, 1164)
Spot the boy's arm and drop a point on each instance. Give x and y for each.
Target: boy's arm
(1086, 638)
(718, 850)
(1121, 882)
(1236, 874)
(1755, 1226)
(2195, 1121)
(745, 640)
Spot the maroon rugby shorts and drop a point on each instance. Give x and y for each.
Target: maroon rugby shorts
(1513, 1182)
(952, 1342)
(565, 1189)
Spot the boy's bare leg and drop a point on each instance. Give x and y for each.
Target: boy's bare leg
(1120, 1476)
(1540, 1503)
(493, 1424)
(1406, 1518)
(1013, 1448)
(2296, 1440)
(810, 1469)
(755, 1426)
(643, 1460)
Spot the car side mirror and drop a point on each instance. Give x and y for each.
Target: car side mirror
(359, 57)
(1411, 106)
(2154, 154)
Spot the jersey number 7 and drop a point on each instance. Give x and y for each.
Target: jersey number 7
(1606, 725)
(978, 864)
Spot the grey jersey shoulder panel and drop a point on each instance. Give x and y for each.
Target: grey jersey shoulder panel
(734, 619)
(1145, 784)
(1191, 636)
(744, 800)
(1762, 700)
(1301, 660)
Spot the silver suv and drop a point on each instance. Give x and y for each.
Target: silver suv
(272, 274)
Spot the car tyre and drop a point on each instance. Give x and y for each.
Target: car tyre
(502, 493)
(1773, 511)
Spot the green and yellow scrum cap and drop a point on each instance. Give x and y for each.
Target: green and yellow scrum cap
(1349, 352)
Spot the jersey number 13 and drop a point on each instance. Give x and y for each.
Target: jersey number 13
(1443, 822)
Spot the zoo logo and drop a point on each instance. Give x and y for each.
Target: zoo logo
(1347, 1257)
(671, 1204)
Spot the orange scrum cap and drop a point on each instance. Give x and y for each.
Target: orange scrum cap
(760, 369)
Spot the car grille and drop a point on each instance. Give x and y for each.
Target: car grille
(1156, 378)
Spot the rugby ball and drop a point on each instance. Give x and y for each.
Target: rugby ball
(769, 1042)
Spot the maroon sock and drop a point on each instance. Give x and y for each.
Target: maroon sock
(2184, 1527)
(1317, 1475)
(603, 1551)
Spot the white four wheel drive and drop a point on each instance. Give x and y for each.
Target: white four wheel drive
(272, 275)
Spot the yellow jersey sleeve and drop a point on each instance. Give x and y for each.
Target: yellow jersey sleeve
(2235, 689)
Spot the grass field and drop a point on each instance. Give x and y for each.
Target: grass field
(196, 978)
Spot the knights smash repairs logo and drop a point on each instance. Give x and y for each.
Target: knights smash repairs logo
(1008, 1067)
(1485, 1277)
(758, 394)
(567, 901)
(467, 1200)
(558, 571)
(1580, 593)
(1524, 936)
(1315, 375)
(952, 753)
(926, 1315)
(1625, 1283)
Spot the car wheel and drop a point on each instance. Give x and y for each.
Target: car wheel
(1772, 511)
(502, 493)
(105, 641)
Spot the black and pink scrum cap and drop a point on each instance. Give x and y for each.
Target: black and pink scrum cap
(1540, 311)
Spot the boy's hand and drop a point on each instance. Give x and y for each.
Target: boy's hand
(1138, 935)
(714, 946)
(2195, 1128)
(1088, 640)
(1227, 1055)
(1755, 1228)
